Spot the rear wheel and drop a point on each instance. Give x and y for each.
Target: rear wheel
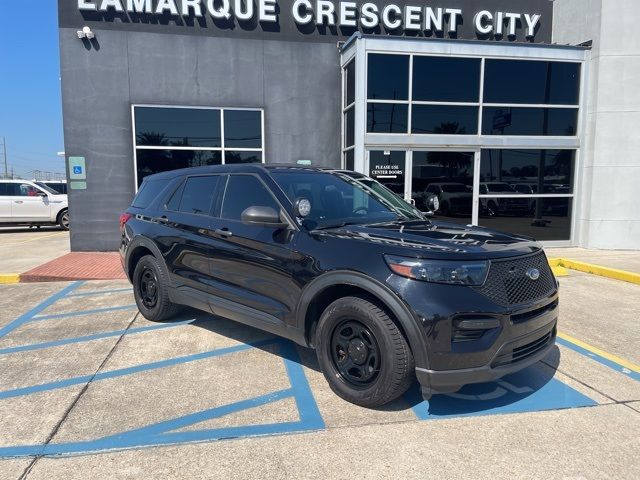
(63, 220)
(362, 353)
(151, 290)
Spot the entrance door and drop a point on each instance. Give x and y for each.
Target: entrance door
(449, 176)
(389, 168)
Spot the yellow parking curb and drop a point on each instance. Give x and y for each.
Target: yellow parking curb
(9, 277)
(595, 270)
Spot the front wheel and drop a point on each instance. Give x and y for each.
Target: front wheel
(63, 220)
(151, 290)
(362, 353)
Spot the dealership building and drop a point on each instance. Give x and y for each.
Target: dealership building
(520, 115)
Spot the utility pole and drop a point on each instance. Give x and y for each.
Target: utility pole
(4, 146)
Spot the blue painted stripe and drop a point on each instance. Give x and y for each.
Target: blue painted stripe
(306, 403)
(80, 313)
(594, 356)
(28, 316)
(87, 338)
(100, 292)
(129, 370)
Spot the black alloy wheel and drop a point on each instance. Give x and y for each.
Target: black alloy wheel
(151, 290)
(148, 288)
(355, 353)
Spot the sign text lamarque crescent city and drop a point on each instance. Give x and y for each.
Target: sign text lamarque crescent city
(330, 13)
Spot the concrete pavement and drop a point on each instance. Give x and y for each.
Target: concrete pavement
(22, 249)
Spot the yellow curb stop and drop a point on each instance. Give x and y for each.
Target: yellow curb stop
(614, 273)
(9, 277)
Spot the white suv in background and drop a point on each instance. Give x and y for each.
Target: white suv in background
(23, 202)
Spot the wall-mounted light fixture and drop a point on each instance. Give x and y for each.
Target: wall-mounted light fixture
(86, 33)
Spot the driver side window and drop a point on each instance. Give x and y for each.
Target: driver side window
(244, 191)
(26, 190)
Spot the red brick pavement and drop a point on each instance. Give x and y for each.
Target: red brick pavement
(78, 266)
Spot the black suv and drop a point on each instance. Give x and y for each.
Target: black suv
(333, 260)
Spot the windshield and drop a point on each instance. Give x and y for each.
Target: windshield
(47, 189)
(456, 188)
(339, 199)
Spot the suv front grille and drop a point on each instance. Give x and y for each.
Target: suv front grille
(520, 353)
(507, 283)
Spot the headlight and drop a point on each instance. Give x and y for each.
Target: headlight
(439, 271)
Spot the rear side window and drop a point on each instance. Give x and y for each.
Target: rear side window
(198, 194)
(148, 192)
(6, 190)
(244, 191)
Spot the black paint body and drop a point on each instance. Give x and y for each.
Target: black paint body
(278, 279)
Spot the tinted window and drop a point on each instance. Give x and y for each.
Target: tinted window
(349, 123)
(155, 161)
(25, 190)
(174, 202)
(148, 192)
(388, 77)
(6, 189)
(242, 157)
(349, 159)
(534, 171)
(387, 118)
(244, 191)
(444, 119)
(446, 79)
(242, 129)
(198, 193)
(196, 127)
(529, 121)
(350, 81)
(528, 81)
(388, 168)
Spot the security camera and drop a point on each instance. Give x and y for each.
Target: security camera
(85, 33)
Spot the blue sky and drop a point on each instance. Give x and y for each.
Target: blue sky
(30, 105)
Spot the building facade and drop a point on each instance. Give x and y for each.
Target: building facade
(468, 100)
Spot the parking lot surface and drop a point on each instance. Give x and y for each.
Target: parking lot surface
(23, 248)
(89, 388)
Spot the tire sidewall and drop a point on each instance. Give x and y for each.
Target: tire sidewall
(331, 318)
(152, 264)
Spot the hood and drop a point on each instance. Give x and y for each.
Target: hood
(420, 238)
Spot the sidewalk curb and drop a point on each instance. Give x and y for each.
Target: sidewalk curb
(613, 273)
(6, 278)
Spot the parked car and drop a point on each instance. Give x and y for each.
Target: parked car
(59, 186)
(26, 203)
(335, 261)
(502, 206)
(453, 198)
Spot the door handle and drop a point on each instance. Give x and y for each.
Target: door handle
(18, 201)
(163, 219)
(225, 232)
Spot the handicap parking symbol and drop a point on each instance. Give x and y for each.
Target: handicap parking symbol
(77, 170)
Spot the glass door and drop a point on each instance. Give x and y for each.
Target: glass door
(389, 168)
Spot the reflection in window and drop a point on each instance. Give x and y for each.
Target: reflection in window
(349, 159)
(155, 161)
(198, 193)
(244, 191)
(538, 218)
(444, 120)
(193, 127)
(387, 77)
(349, 123)
(242, 129)
(446, 79)
(530, 171)
(529, 121)
(387, 117)
(531, 81)
(350, 83)
(242, 157)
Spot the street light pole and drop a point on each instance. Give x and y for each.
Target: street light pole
(6, 169)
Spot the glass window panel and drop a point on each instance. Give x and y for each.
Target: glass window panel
(193, 127)
(387, 77)
(530, 81)
(349, 123)
(444, 119)
(149, 192)
(529, 121)
(388, 169)
(349, 159)
(446, 79)
(198, 193)
(174, 202)
(350, 83)
(448, 176)
(155, 161)
(242, 129)
(244, 191)
(539, 218)
(26, 190)
(387, 117)
(530, 171)
(242, 157)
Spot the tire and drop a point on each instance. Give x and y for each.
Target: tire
(376, 382)
(63, 220)
(492, 209)
(151, 290)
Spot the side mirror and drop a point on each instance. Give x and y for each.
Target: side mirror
(40, 193)
(265, 216)
(433, 204)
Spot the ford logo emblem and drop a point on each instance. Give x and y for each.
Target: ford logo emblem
(533, 273)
